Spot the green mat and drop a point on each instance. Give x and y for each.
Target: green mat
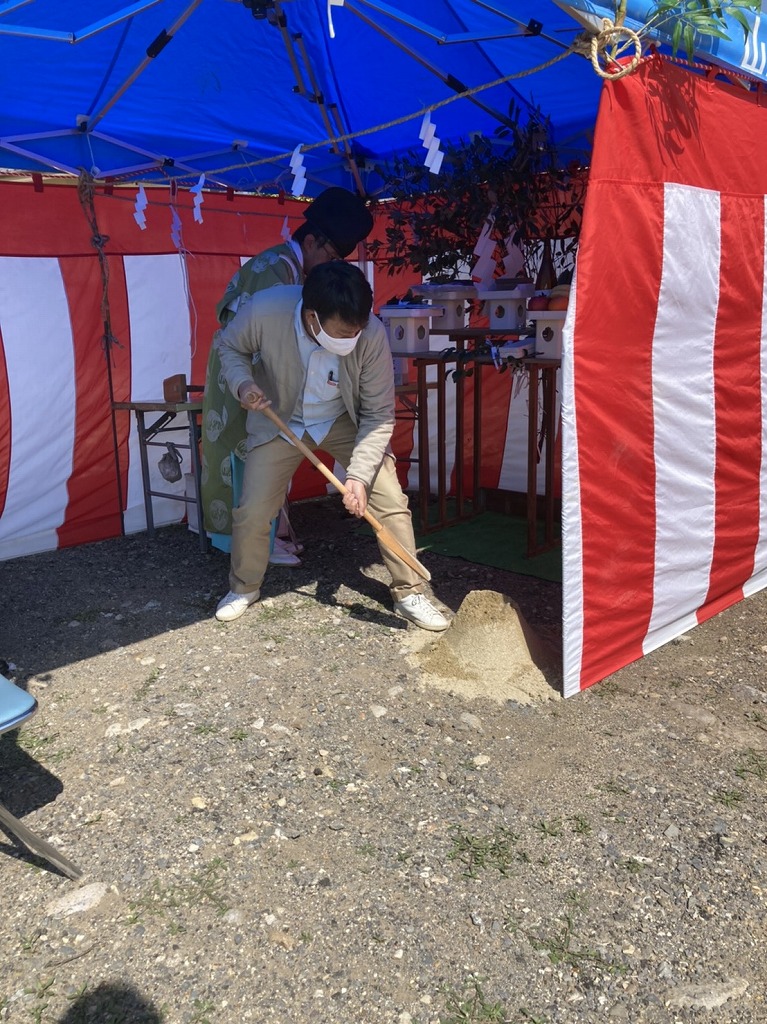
(492, 539)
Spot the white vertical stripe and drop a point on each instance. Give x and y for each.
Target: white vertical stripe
(759, 578)
(684, 411)
(37, 339)
(513, 475)
(438, 342)
(432, 373)
(160, 347)
(572, 526)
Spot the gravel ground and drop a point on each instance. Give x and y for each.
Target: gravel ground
(280, 820)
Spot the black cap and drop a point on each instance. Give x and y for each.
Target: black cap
(342, 217)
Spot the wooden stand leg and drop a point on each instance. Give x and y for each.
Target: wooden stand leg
(532, 462)
(424, 470)
(142, 439)
(197, 474)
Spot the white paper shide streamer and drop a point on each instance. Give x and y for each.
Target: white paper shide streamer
(431, 143)
(141, 204)
(299, 172)
(198, 198)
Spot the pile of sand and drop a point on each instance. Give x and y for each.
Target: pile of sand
(491, 651)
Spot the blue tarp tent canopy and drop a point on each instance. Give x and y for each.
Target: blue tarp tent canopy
(162, 89)
(171, 89)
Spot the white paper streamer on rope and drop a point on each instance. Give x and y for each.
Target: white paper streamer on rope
(141, 204)
(299, 173)
(434, 157)
(431, 144)
(331, 5)
(198, 198)
(285, 231)
(175, 229)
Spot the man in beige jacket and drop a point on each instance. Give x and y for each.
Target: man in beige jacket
(324, 364)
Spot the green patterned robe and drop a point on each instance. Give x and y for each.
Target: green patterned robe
(223, 418)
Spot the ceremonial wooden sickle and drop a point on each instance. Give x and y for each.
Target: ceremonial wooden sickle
(383, 534)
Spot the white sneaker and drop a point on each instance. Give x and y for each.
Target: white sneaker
(234, 605)
(422, 612)
(282, 555)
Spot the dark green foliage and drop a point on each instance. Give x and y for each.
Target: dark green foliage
(516, 176)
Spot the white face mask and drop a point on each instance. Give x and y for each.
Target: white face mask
(337, 346)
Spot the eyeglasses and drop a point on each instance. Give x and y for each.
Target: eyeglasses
(330, 249)
(324, 243)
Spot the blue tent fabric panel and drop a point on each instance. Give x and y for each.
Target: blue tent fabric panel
(226, 77)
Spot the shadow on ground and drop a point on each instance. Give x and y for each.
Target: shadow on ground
(111, 1003)
(75, 603)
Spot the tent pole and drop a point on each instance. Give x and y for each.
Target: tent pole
(55, 164)
(317, 95)
(71, 37)
(281, 22)
(339, 128)
(11, 5)
(515, 21)
(152, 51)
(449, 80)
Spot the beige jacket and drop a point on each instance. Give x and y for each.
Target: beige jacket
(265, 328)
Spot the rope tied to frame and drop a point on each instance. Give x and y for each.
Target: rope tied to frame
(595, 47)
(86, 191)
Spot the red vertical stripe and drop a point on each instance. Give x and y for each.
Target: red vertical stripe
(402, 440)
(93, 511)
(6, 428)
(495, 400)
(208, 278)
(612, 369)
(665, 123)
(737, 398)
(120, 363)
(496, 397)
(308, 482)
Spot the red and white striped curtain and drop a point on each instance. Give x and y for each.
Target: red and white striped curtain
(58, 483)
(665, 370)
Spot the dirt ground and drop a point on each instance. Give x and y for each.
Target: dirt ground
(286, 820)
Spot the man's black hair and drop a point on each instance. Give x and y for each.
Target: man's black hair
(340, 290)
(302, 231)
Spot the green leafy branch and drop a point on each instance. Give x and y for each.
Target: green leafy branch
(515, 181)
(680, 22)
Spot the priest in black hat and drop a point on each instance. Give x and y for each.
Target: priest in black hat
(335, 223)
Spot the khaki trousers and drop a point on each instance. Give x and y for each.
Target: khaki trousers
(268, 470)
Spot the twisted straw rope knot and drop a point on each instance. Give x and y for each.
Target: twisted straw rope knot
(594, 45)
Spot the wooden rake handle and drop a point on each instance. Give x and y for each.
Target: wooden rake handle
(383, 534)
